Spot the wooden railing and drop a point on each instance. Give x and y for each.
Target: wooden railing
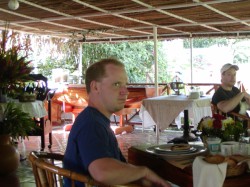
(74, 98)
(212, 86)
(167, 90)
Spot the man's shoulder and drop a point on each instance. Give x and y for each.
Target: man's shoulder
(88, 111)
(218, 91)
(89, 116)
(221, 90)
(218, 95)
(235, 89)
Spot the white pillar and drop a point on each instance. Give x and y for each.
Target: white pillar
(156, 76)
(191, 57)
(156, 60)
(80, 63)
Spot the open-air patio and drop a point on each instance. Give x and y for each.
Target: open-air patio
(169, 90)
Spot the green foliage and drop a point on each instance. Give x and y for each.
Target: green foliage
(50, 63)
(138, 58)
(205, 42)
(241, 51)
(15, 68)
(51, 53)
(16, 123)
(235, 130)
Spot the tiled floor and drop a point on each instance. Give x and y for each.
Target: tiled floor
(24, 172)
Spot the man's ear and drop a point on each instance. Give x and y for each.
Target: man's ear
(94, 86)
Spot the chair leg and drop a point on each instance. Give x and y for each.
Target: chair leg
(137, 111)
(115, 120)
(50, 140)
(42, 142)
(42, 126)
(122, 121)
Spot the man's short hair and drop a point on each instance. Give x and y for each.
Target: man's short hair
(96, 71)
(227, 67)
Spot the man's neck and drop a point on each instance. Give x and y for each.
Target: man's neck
(225, 87)
(92, 103)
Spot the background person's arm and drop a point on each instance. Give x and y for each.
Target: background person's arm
(247, 97)
(228, 105)
(111, 171)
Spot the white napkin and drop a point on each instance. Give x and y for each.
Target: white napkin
(208, 175)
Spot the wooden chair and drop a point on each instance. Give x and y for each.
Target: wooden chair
(48, 172)
(44, 94)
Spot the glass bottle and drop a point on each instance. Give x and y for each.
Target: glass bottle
(242, 145)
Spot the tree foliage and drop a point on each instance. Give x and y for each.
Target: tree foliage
(47, 53)
(138, 58)
(51, 53)
(205, 42)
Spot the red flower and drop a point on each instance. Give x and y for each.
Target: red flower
(217, 124)
(218, 117)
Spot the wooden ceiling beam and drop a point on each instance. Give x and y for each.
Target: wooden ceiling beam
(223, 14)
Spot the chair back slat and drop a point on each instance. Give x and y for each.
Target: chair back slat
(48, 172)
(42, 177)
(60, 180)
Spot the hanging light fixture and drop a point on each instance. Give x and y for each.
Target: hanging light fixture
(13, 4)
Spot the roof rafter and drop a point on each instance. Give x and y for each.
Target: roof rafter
(122, 20)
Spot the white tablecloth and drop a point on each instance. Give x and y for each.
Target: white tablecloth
(35, 109)
(163, 110)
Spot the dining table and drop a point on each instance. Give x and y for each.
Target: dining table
(161, 111)
(171, 171)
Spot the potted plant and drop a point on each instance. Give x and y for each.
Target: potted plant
(15, 68)
(14, 125)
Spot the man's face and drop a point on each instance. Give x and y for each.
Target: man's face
(228, 78)
(113, 88)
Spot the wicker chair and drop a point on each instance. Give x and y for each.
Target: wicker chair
(48, 172)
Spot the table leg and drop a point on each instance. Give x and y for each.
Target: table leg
(186, 132)
(186, 124)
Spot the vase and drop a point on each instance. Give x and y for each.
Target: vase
(213, 144)
(9, 156)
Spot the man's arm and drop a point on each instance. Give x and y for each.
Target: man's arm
(228, 105)
(111, 171)
(247, 97)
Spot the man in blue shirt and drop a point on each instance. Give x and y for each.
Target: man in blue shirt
(92, 146)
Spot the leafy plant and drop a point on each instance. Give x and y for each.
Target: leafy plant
(16, 123)
(15, 68)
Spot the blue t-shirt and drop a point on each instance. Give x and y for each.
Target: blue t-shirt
(90, 138)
